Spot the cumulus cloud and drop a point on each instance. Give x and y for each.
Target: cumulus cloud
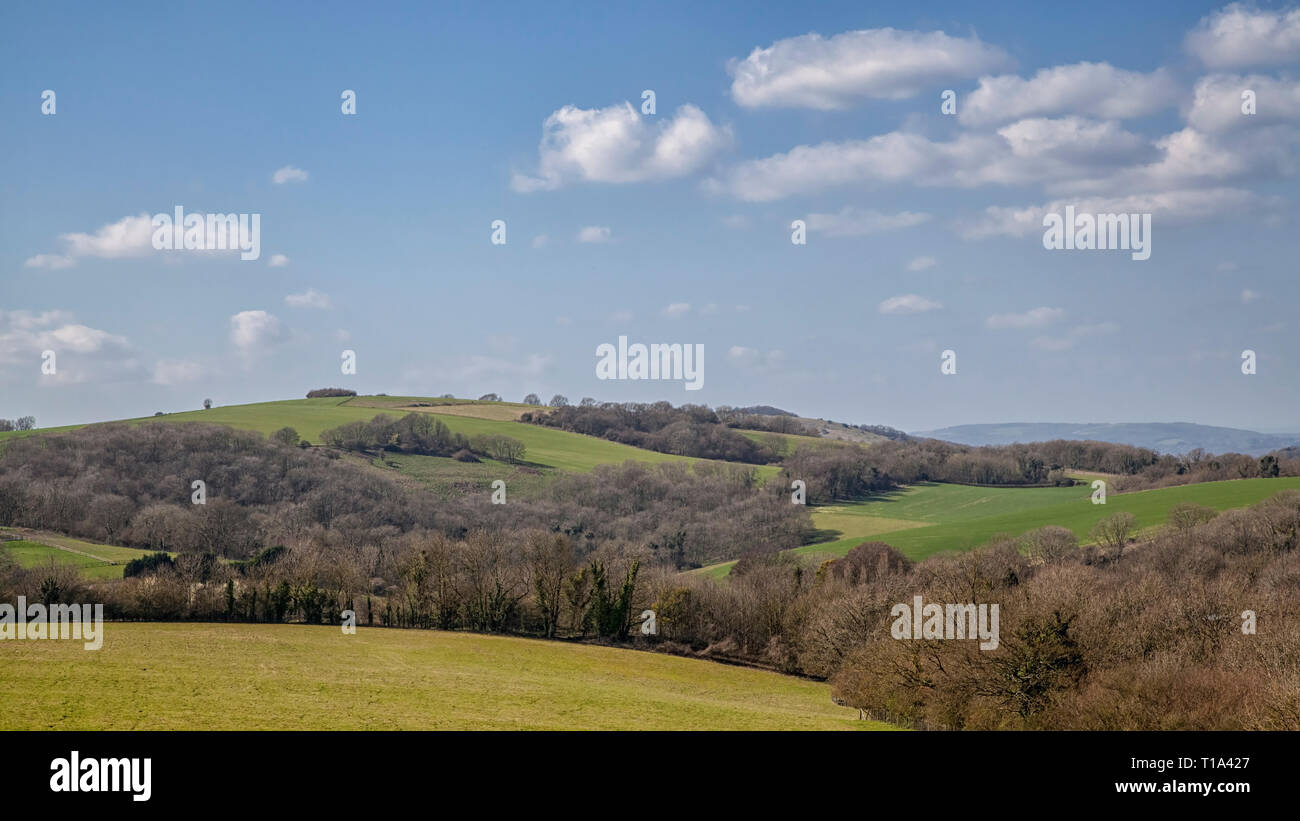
(811, 71)
(908, 304)
(1034, 151)
(921, 263)
(252, 331)
(1238, 35)
(288, 174)
(594, 234)
(854, 222)
(1033, 318)
(82, 353)
(128, 237)
(1090, 89)
(278, 261)
(1217, 102)
(618, 145)
(311, 298)
(677, 309)
(1248, 296)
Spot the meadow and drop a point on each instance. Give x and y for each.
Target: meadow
(299, 677)
(925, 519)
(93, 561)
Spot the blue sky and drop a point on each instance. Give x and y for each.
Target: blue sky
(924, 229)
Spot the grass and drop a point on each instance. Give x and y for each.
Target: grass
(548, 449)
(93, 561)
(925, 519)
(295, 677)
(959, 530)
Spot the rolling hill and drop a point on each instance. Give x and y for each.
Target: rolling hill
(298, 677)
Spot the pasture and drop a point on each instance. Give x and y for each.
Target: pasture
(299, 677)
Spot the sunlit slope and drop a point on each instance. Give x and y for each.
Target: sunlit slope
(298, 677)
(957, 529)
(546, 447)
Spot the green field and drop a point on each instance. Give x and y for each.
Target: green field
(295, 677)
(922, 520)
(548, 449)
(93, 561)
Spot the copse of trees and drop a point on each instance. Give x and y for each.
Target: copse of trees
(21, 423)
(691, 430)
(419, 433)
(319, 393)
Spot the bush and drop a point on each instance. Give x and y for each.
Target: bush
(147, 565)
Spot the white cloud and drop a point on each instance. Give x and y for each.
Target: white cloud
(128, 237)
(1035, 151)
(1248, 296)
(908, 304)
(253, 330)
(1090, 89)
(1169, 208)
(1033, 318)
(51, 261)
(288, 174)
(621, 316)
(311, 298)
(594, 234)
(677, 309)
(853, 222)
(811, 71)
(1216, 103)
(541, 241)
(618, 145)
(278, 261)
(82, 353)
(172, 372)
(921, 263)
(1239, 35)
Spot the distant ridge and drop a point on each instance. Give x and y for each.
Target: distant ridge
(1166, 437)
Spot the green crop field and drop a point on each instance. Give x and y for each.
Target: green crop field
(296, 677)
(922, 520)
(956, 528)
(93, 561)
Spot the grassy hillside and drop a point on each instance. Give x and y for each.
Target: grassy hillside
(93, 561)
(932, 518)
(295, 677)
(548, 449)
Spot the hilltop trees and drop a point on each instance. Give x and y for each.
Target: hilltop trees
(559, 401)
(532, 399)
(207, 404)
(324, 392)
